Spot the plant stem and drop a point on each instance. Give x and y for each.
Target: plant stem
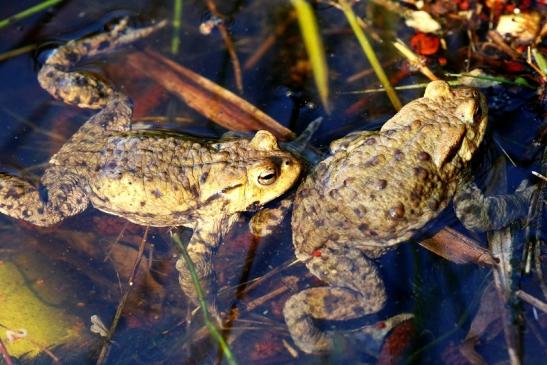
(28, 12)
(314, 48)
(369, 52)
(201, 299)
(177, 16)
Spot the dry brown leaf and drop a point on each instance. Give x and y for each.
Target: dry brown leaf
(207, 98)
(458, 248)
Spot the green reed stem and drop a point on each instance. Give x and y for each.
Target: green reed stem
(202, 304)
(28, 12)
(314, 48)
(177, 16)
(369, 52)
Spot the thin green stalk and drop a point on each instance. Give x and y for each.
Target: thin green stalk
(369, 52)
(541, 61)
(28, 12)
(519, 81)
(314, 48)
(177, 16)
(202, 304)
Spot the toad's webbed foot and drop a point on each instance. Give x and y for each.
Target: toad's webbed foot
(355, 290)
(266, 220)
(61, 195)
(487, 213)
(78, 88)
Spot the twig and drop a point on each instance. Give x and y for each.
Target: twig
(202, 304)
(5, 355)
(229, 45)
(116, 241)
(121, 306)
(17, 52)
(415, 61)
(537, 174)
(497, 39)
(290, 283)
(532, 300)
(28, 12)
(270, 41)
(364, 73)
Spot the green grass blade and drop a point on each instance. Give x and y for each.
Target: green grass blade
(540, 60)
(369, 52)
(28, 12)
(177, 16)
(314, 48)
(202, 304)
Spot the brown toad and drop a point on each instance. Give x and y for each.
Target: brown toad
(375, 190)
(148, 177)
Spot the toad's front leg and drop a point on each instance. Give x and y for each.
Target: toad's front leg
(61, 195)
(482, 213)
(205, 240)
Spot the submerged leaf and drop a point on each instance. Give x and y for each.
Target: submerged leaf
(456, 247)
(207, 98)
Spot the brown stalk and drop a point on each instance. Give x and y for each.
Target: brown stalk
(532, 300)
(270, 41)
(229, 45)
(458, 248)
(498, 40)
(121, 305)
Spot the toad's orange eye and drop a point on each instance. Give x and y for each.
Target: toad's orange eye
(268, 176)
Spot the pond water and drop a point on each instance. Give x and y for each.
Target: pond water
(54, 280)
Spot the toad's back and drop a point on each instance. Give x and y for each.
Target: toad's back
(378, 188)
(156, 177)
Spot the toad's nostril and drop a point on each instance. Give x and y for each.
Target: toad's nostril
(288, 162)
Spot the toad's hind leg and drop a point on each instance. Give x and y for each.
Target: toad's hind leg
(61, 195)
(78, 88)
(355, 290)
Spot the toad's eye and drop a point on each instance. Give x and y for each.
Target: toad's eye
(268, 176)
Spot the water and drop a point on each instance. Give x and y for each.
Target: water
(72, 271)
